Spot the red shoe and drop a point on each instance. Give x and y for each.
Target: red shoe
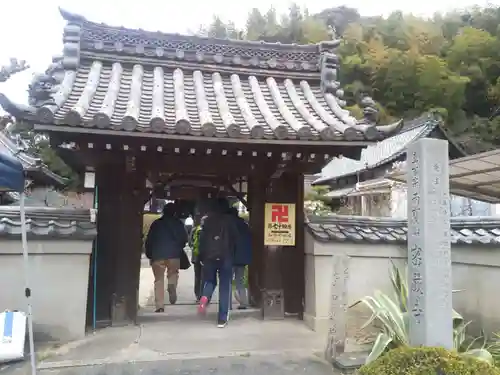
(202, 307)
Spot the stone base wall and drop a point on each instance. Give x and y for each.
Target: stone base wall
(58, 278)
(475, 272)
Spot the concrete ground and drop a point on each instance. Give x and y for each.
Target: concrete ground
(280, 364)
(180, 342)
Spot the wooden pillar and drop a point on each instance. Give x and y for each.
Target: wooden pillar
(107, 194)
(128, 248)
(284, 265)
(256, 199)
(118, 250)
(293, 257)
(276, 275)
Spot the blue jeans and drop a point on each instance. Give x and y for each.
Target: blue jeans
(224, 268)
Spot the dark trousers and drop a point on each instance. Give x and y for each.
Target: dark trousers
(198, 280)
(223, 268)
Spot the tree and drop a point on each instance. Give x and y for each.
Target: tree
(316, 202)
(339, 18)
(219, 29)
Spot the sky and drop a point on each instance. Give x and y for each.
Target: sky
(32, 29)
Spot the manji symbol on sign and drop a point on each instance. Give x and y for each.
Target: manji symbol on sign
(279, 224)
(279, 213)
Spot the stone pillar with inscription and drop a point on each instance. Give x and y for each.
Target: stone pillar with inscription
(429, 255)
(337, 331)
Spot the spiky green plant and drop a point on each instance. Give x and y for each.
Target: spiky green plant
(393, 318)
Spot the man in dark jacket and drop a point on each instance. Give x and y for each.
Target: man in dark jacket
(164, 245)
(218, 239)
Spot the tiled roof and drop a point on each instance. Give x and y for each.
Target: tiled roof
(359, 229)
(156, 99)
(135, 80)
(34, 166)
(380, 153)
(47, 223)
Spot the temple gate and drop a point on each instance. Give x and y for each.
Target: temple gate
(146, 109)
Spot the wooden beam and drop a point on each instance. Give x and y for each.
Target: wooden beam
(193, 138)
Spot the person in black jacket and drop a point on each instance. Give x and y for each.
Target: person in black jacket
(218, 239)
(164, 245)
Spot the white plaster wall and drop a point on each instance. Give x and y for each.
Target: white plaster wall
(476, 272)
(459, 206)
(58, 272)
(398, 202)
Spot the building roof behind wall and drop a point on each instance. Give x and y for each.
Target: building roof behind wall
(378, 158)
(34, 167)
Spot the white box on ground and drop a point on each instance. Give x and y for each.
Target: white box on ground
(12, 335)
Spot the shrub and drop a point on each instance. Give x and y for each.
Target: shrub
(391, 315)
(426, 361)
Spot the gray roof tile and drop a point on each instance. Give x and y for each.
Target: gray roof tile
(381, 152)
(358, 229)
(47, 223)
(135, 80)
(201, 103)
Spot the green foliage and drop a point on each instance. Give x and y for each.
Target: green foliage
(316, 203)
(494, 348)
(449, 64)
(392, 316)
(426, 361)
(54, 162)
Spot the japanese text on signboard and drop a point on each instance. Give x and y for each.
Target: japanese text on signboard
(279, 224)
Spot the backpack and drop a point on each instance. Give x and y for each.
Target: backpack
(216, 238)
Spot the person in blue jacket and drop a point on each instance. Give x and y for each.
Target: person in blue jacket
(242, 258)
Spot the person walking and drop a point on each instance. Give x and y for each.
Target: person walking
(218, 238)
(242, 258)
(164, 246)
(194, 243)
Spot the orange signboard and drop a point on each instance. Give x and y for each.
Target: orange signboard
(279, 222)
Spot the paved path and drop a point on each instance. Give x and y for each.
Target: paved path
(184, 336)
(185, 291)
(241, 365)
(180, 342)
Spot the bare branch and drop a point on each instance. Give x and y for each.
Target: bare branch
(15, 66)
